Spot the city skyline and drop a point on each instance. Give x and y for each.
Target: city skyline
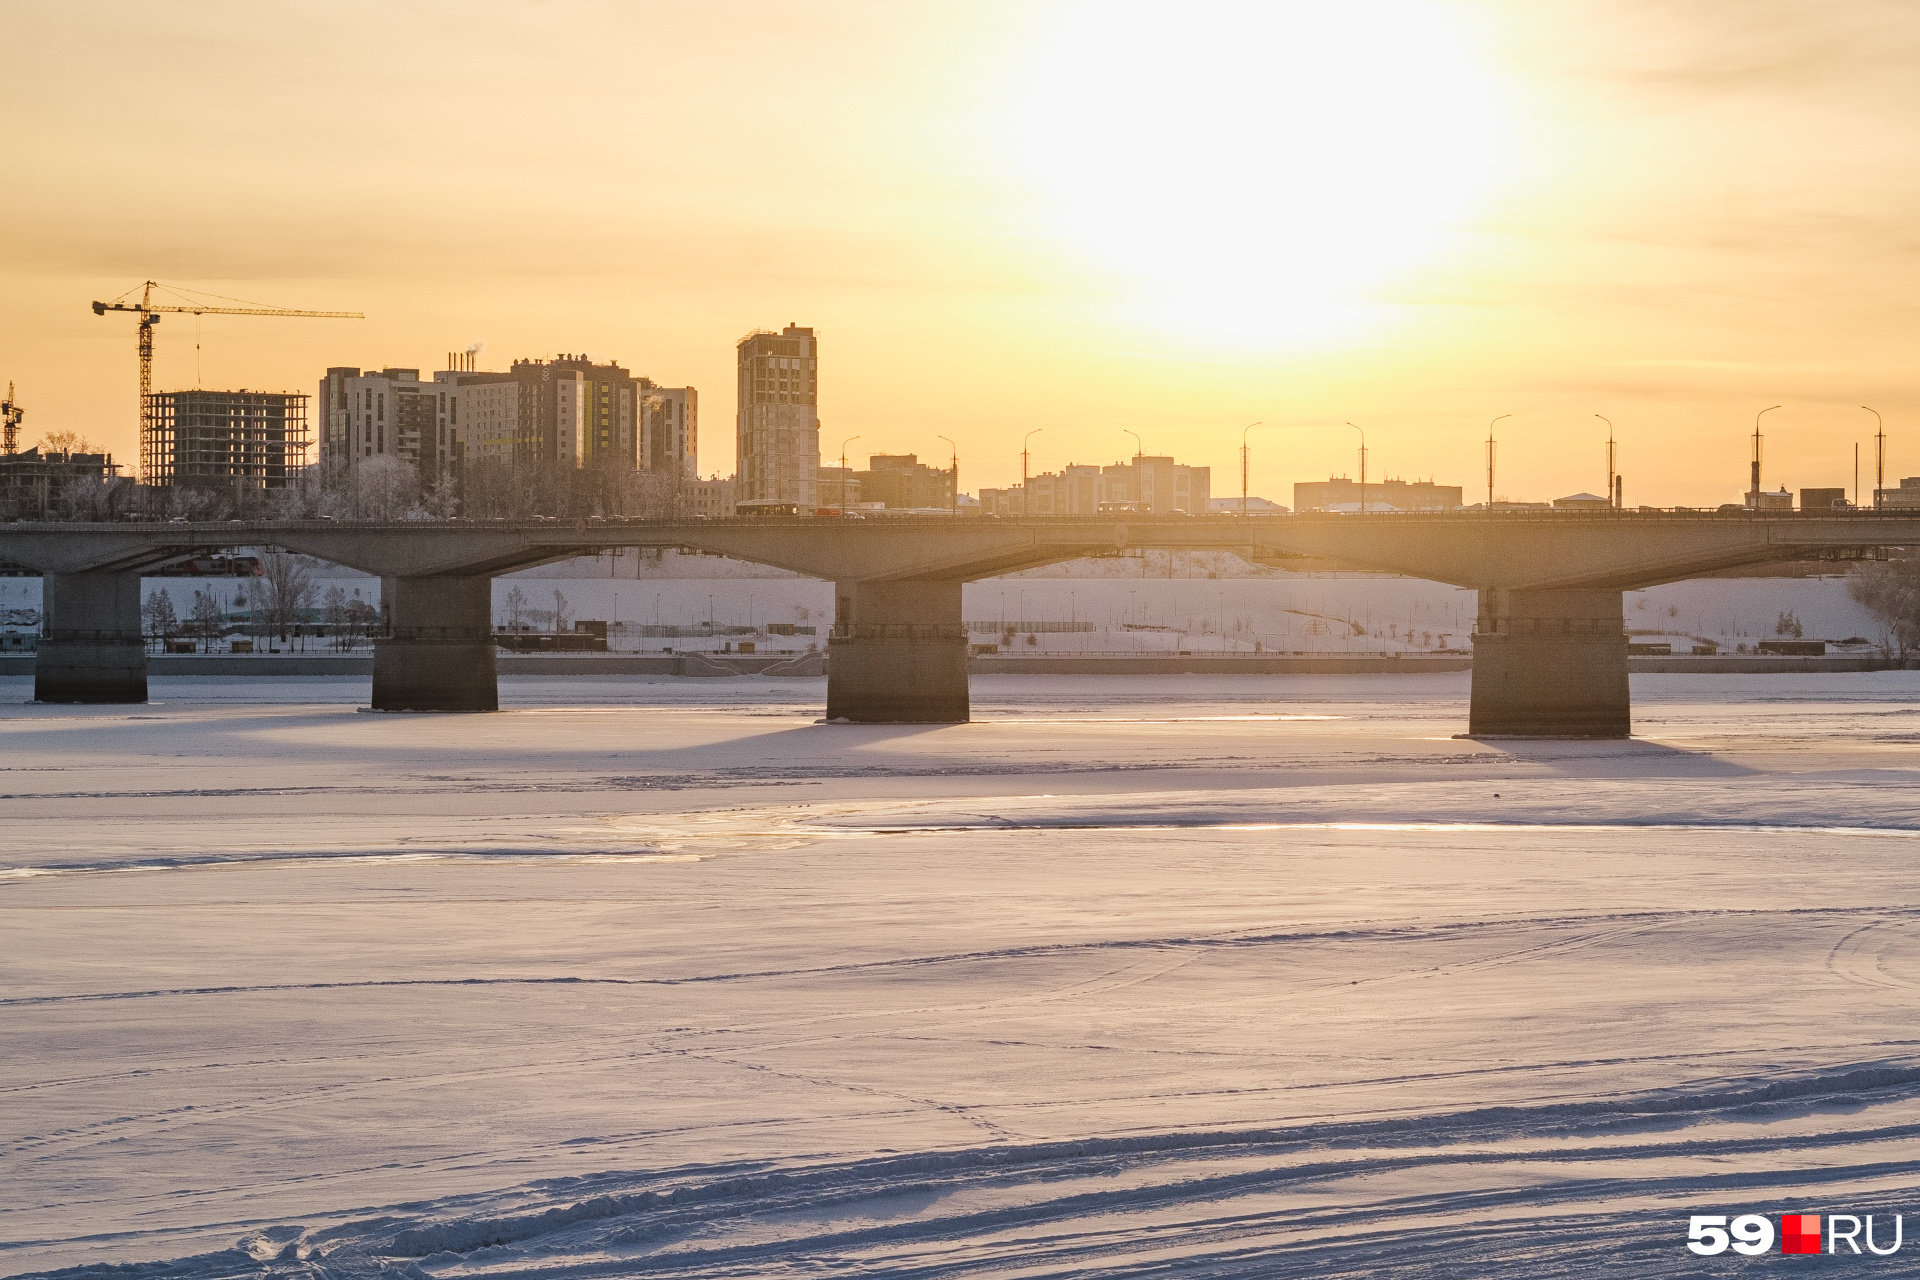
(1673, 219)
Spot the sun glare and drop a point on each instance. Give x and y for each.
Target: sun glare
(1254, 168)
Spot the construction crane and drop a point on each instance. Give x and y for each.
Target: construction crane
(150, 316)
(10, 415)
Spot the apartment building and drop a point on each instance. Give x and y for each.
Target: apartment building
(1148, 484)
(670, 431)
(777, 420)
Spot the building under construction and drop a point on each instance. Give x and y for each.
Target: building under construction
(223, 439)
(32, 480)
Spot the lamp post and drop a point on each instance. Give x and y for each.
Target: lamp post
(843, 472)
(953, 474)
(1610, 458)
(1243, 467)
(1756, 452)
(1490, 456)
(1139, 480)
(1879, 459)
(1026, 498)
(1363, 467)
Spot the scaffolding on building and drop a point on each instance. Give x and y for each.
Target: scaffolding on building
(225, 439)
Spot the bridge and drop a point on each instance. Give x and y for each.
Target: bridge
(1550, 649)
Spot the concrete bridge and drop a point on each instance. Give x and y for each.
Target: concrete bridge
(1550, 649)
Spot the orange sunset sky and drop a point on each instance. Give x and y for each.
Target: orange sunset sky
(1084, 217)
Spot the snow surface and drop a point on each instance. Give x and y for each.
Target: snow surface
(1235, 976)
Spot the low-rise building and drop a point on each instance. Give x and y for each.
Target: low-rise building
(903, 482)
(1150, 485)
(36, 478)
(710, 497)
(1336, 492)
(1907, 495)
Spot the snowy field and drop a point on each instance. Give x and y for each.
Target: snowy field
(1248, 976)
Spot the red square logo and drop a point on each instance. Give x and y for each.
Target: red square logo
(1799, 1233)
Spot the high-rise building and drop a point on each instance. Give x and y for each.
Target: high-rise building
(670, 432)
(225, 439)
(569, 411)
(386, 413)
(777, 421)
(573, 410)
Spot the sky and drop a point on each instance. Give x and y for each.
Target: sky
(1008, 215)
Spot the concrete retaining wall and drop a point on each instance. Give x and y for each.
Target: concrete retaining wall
(1157, 664)
(675, 664)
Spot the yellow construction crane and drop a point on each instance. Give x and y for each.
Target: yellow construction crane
(10, 415)
(150, 316)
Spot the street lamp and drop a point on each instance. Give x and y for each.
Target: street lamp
(1026, 498)
(1610, 458)
(1879, 459)
(1490, 455)
(1756, 452)
(843, 472)
(1363, 468)
(1243, 467)
(954, 475)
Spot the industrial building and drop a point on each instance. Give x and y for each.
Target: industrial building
(224, 439)
(777, 421)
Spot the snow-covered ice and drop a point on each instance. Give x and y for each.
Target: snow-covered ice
(1213, 976)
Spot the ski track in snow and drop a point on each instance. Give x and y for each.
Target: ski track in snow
(1323, 995)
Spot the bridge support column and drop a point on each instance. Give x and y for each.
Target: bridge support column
(1550, 664)
(438, 654)
(898, 654)
(90, 646)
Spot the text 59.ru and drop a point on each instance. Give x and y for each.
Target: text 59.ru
(1753, 1233)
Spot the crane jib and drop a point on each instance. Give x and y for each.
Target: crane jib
(149, 317)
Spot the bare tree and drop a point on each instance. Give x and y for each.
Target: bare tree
(207, 619)
(1890, 590)
(67, 441)
(158, 612)
(333, 611)
(384, 488)
(559, 611)
(287, 583)
(440, 501)
(195, 504)
(516, 608)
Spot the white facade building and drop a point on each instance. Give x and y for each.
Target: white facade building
(386, 413)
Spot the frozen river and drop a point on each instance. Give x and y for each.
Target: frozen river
(1232, 977)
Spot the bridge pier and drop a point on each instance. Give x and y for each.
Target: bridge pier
(90, 646)
(438, 653)
(898, 654)
(1550, 664)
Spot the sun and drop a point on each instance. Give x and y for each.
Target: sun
(1255, 168)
